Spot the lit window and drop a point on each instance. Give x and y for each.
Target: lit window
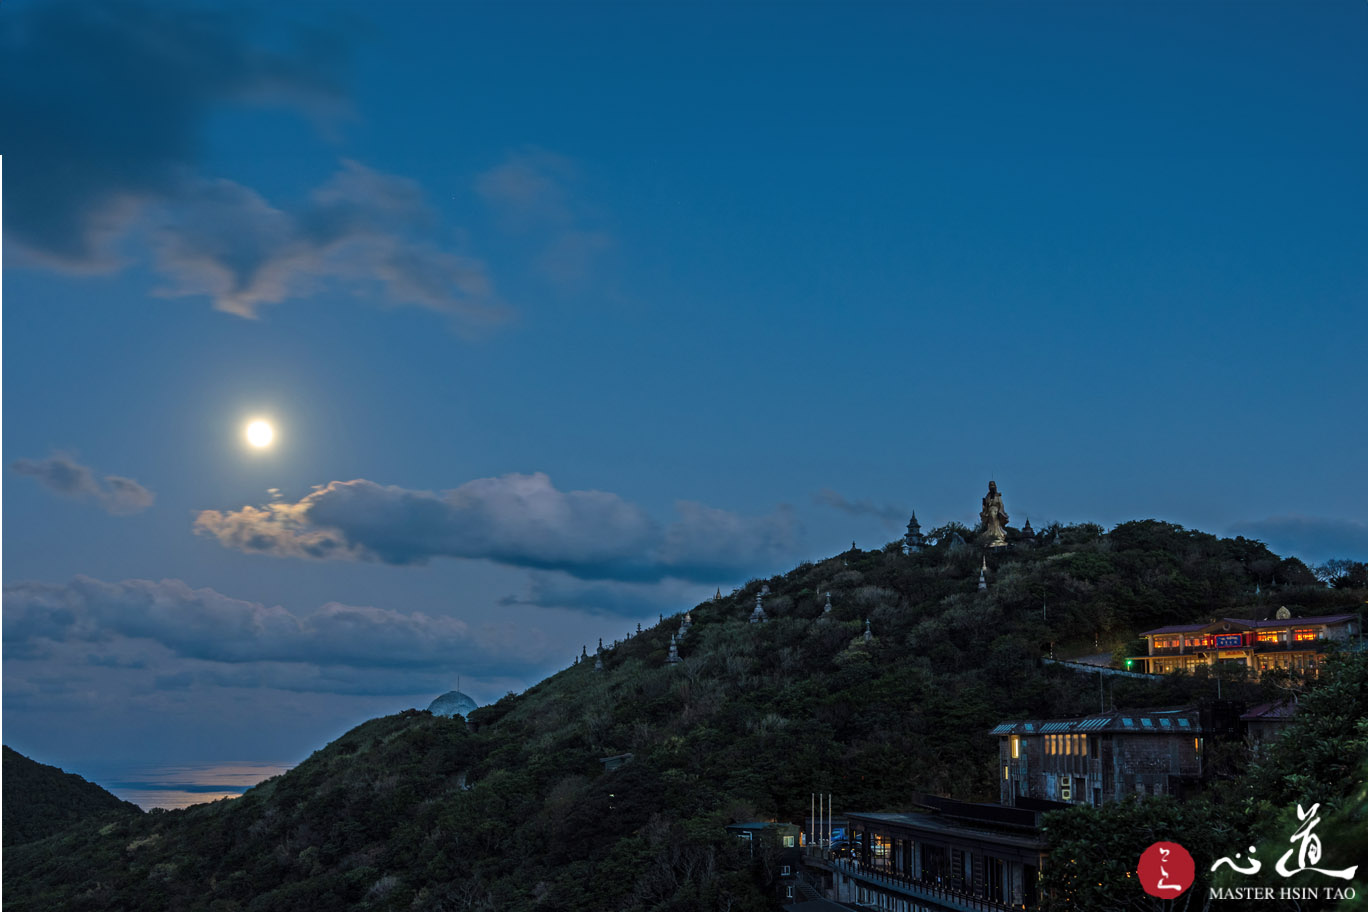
(1082, 744)
(1004, 772)
(1304, 634)
(788, 842)
(1016, 747)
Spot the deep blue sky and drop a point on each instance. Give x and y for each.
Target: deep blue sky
(1113, 255)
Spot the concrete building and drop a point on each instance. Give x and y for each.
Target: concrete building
(1106, 756)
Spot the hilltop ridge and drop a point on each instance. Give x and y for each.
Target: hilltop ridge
(41, 800)
(515, 809)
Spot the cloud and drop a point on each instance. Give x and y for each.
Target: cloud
(517, 520)
(64, 475)
(362, 229)
(1312, 539)
(206, 625)
(888, 514)
(105, 123)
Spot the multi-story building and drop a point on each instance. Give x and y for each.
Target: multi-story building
(947, 855)
(1107, 756)
(1296, 644)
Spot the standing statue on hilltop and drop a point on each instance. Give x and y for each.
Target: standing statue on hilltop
(994, 517)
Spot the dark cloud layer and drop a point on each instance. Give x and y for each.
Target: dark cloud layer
(609, 597)
(105, 104)
(518, 520)
(1312, 539)
(207, 625)
(103, 123)
(66, 476)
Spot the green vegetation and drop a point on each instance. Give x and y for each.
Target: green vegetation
(515, 811)
(41, 800)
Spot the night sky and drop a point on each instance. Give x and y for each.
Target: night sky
(568, 314)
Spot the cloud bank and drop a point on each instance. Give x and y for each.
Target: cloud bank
(516, 520)
(60, 473)
(207, 625)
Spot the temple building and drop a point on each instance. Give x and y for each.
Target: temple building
(914, 541)
(1295, 644)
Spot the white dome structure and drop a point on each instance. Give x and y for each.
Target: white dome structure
(452, 703)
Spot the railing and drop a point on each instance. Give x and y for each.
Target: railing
(925, 889)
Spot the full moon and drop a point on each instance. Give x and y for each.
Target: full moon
(260, 434)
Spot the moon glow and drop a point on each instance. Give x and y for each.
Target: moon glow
(260, 434)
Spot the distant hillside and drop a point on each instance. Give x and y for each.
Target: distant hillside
(41, 800)
(515, 810)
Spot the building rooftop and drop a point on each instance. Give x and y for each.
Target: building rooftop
(1253, 624)
(1141, 721)
(935, 823)
(1279, 711)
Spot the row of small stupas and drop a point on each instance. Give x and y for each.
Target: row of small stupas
(994, 519)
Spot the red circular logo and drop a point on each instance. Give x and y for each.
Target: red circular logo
(1165, 870)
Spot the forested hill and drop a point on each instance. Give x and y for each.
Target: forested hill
(41, 800)
(516, 811)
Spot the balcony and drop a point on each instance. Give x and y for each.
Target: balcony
(926, 890)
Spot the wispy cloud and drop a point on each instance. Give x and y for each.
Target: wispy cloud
(1313, 539)
(531, 194)
(64, 475)
(362, 230)
(891, 516)
(517, 520)
(609, 597)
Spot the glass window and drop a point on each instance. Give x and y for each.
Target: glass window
(788, 842)
(1016, 747)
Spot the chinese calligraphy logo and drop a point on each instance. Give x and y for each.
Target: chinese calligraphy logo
(1166, 870)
